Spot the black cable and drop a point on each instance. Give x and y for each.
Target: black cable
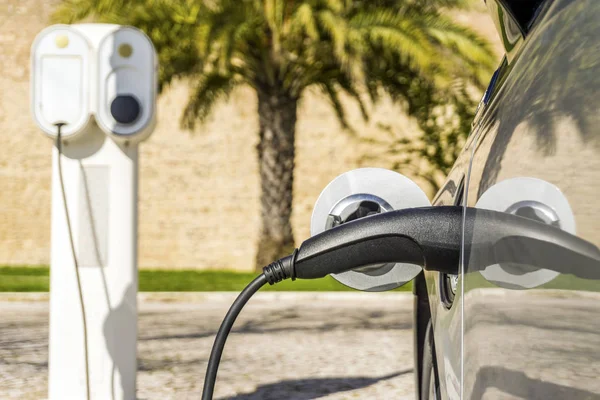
(224, 329)
(75, 262)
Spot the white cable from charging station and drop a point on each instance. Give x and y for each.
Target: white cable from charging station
(73, 252)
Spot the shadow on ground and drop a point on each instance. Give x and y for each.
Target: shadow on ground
(286, 322)
(312, 388)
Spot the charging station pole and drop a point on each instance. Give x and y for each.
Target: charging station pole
(98, 82)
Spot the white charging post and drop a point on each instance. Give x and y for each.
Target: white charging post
(99, 81)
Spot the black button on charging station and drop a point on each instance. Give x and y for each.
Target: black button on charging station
(125, 109)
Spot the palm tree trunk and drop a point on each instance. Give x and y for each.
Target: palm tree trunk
(277, 117)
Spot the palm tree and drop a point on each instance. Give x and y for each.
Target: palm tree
(363, 48)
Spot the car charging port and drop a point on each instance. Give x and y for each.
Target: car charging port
(355, 207)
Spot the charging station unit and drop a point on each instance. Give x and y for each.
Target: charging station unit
(97, 83)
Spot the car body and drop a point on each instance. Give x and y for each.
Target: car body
(535, 145)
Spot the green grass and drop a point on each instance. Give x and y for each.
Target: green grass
(24, 279)
(36, 279)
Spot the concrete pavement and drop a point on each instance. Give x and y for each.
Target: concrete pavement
(295, 346)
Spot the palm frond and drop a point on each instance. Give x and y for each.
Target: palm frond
(410, 49)
(303, 22)
(210, 89)
(463, 47)
(347, 84)
(333, 96)
(336, 28)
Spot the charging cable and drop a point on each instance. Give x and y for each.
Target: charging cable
(224, 329)
(430, 237)
(73, 252)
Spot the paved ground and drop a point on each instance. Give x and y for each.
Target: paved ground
(337, 346)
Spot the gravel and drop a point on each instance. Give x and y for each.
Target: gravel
(335, 346)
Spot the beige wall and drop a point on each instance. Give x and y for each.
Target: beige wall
(198, 191)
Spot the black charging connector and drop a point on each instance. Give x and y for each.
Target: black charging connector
(281, 269)
(430, 237)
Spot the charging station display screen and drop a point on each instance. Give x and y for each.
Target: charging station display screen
(61, 90)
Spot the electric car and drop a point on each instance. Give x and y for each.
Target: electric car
(511, 330)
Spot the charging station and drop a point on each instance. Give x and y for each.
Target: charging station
(93, 91)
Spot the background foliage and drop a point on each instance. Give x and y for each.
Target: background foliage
(411, 51)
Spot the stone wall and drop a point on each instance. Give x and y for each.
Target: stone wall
(198, 190)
